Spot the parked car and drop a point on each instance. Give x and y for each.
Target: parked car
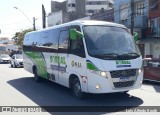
(152, 69)
(5, 58)
(17, 60)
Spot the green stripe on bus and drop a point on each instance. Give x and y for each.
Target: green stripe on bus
(91, 66)
(39, 61)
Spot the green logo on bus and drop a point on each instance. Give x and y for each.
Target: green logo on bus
(123, 62)
(58, 60)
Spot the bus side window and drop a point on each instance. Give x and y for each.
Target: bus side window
(63, 41)
(77, 46)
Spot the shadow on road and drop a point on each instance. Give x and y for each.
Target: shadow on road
(47, 93)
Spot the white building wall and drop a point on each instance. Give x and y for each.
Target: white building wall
(156, 50)
(71, 5)
(85, 18)
(11, 47)
(98, 7)
(55, 18)
(147, 49)
(111, 1)
(152, 49)
(95, 7)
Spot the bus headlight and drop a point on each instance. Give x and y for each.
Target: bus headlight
(101, 73)
(140, 70)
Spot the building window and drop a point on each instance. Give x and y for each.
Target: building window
(124, 12)
(140, 8)
(71, 5)
(96, 2)
(90, 11)
(63, 41)
(155, 27)
(154, 5)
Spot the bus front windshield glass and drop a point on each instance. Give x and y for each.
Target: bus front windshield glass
(110, 42)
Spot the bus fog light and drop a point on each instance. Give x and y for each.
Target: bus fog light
(98, 86)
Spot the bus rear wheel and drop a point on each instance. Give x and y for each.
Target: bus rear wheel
(76, 89)
(36, 77)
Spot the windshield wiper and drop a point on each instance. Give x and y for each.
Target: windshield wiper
(108, 55)
(131, 54)
(111, 54)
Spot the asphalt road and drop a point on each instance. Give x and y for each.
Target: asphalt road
(18, 88)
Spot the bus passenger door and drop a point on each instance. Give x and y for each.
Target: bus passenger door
(63, 56)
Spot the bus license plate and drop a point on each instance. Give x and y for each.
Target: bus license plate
(123, 79)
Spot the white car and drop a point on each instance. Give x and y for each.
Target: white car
(17, 60)
(5, 58)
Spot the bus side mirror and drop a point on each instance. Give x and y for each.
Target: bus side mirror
(135, 35)
(74, 34)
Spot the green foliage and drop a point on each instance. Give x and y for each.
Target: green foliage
(19, 36)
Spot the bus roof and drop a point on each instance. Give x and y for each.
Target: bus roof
(82, 23)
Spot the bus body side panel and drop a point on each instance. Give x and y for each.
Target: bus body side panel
(75, 65)
(51, 60)
(39, 62)
(28, 63)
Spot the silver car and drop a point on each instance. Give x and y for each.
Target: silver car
(5, 58)
(17, 60)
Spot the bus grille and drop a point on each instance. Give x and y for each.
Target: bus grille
(123, 84)
(123, 73)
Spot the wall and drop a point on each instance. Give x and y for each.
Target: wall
(57, 6)
(55, 19)
(147, 49)
(155, 50)
(139, 21)
(154, 13)
(97, 7)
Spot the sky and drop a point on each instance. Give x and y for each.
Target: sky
(14, 20)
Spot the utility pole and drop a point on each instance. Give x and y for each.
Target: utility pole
(43, 17)
(34, 26)
(132, 15)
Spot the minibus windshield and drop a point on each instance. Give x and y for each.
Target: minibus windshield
(110, 42)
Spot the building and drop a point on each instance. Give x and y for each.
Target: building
(95, 6)
(154, 17)
(4, 40)
(107, 15)
(146, 23)
(70, 10)
(122, 14)
(4, 48)
(152, 42)
(57, 18)
(62, 12)
(76, 9)
(58, 6)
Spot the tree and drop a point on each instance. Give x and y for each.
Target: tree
(19, 36)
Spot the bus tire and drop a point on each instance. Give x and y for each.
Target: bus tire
(15, 65)
(36, 77)
(76, 88)
(11, 65)
(123, 93)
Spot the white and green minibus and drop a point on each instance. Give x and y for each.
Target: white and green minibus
(86, 56)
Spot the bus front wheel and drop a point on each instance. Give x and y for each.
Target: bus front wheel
(76, 89)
